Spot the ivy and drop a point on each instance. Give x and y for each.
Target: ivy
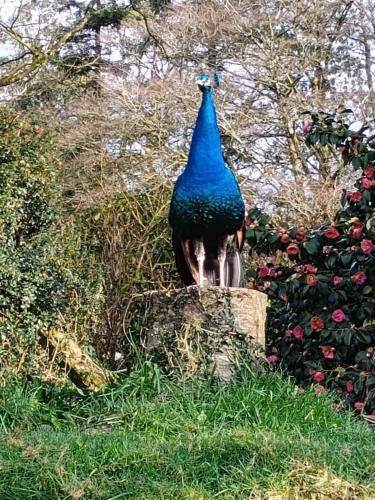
(32, 286)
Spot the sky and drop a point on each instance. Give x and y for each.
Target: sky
(7, 8)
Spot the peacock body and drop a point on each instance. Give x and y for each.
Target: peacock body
(207, 209)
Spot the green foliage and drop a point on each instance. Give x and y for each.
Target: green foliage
(109, 16)
(135, 251)
(113, 14)
(78, 251)
(357, 148)
(75, 271)
(32, 287)
(109, 253)
(321, 316)
(151, 438)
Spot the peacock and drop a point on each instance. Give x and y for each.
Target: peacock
(207, 209)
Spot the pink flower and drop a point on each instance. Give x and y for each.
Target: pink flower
(338, 315)
(358, 406)
(331, 233)
(301, 234)
(316, 323)
(359, 278)
(306, 128)
(327, 249)
(350, 386)
(273, 359)
(357, 232)
(358, 228)
(288, 333)
(264, 271)
(369, 171)
(284, 238)
(266, 285)
(311, 280)
(319, 389)
(292, 249)
(318, 377)
(366, 183)
(355, 196)
(310, 269)
(298, 332)
(366, 246)
(328, 351)
(337, 280)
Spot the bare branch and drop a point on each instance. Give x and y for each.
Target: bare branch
(38, 56)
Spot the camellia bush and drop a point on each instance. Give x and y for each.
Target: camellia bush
(321, 325)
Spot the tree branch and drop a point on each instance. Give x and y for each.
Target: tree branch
(38, 57)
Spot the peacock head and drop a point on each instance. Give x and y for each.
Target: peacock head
(204, 82)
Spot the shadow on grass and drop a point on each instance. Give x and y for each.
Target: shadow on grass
(119, 464)
(258, 438)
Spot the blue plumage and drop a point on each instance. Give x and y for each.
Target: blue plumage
(207, 207)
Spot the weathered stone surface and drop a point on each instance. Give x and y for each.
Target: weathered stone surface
(197, 331)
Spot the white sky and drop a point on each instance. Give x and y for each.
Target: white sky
(8, 8)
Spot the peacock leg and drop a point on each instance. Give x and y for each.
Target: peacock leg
(201, 256)
(221, 257)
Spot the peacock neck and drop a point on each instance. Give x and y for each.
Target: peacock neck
(205, 154)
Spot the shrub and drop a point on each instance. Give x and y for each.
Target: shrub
(321, 319)
(32, 287)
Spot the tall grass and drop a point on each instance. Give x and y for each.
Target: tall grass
(150, 438)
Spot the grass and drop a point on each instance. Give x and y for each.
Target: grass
(149, 438)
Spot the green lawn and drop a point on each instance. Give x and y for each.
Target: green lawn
(149, 438)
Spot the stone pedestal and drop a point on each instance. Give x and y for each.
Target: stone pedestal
(201, 331)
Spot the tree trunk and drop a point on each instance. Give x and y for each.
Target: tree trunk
(83, 371)
(201, 331)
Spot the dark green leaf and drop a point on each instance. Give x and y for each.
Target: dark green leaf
(312, 246)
